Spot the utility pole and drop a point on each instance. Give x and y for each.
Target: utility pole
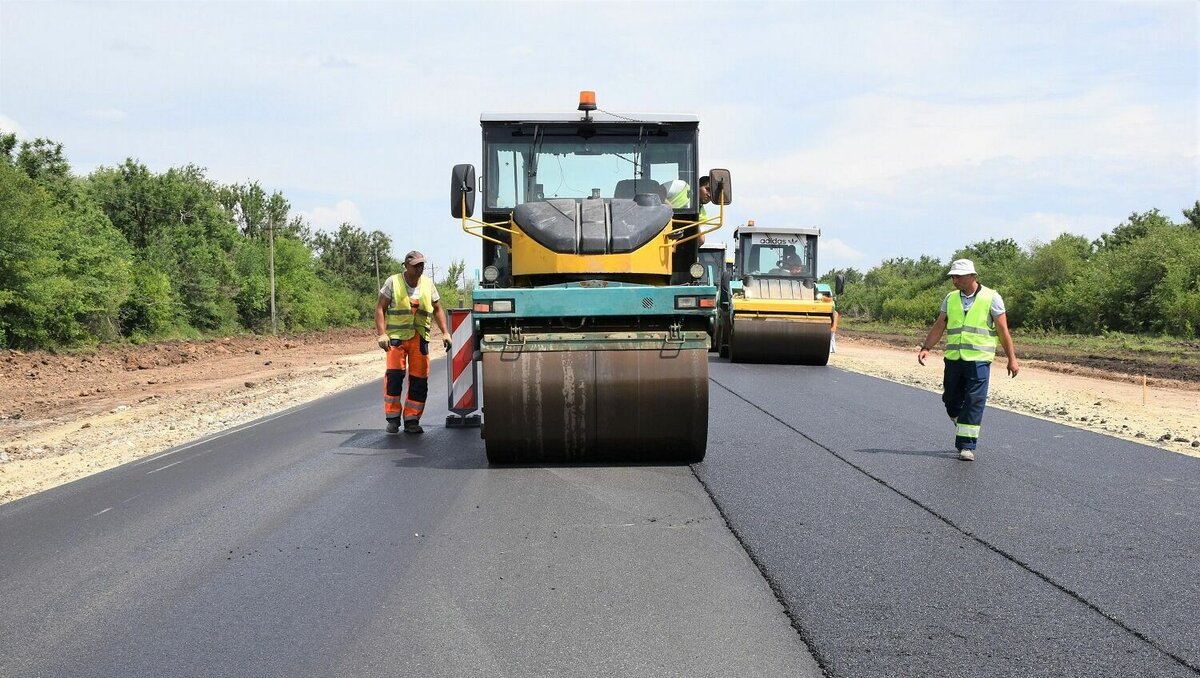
(271, 240)
(462, 299)
(378, 284)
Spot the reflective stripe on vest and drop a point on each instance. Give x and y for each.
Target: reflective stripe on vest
(403, 319)
(968, 336)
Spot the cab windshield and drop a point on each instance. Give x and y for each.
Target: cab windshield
(780, 255)
(527, 163)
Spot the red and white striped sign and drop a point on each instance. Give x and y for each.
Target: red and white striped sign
(463, 390)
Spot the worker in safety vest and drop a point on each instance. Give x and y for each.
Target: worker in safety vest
(679, 195)
(407, 303)
(972, 316)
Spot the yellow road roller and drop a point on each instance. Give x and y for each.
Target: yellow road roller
(772, 309)
(593, 318)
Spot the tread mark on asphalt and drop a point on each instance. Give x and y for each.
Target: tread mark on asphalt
(966, 533)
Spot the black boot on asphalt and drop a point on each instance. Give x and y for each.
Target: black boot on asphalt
(393, 427)
(413, 427)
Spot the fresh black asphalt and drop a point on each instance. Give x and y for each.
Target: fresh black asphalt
(312, 544)
(309, 543)
(1058, 552)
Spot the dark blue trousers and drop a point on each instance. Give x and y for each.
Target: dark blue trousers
(964, 391)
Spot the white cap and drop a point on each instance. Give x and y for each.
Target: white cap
(675, 187)
(962, 267)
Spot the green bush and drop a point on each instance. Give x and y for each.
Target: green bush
(151, 308)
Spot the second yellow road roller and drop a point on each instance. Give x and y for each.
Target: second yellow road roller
(772, 309)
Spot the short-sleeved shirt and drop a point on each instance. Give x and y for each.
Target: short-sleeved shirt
(997, 309)
(414, 293)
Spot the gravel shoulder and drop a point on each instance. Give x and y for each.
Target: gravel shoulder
(64, 417)
(1160, 412)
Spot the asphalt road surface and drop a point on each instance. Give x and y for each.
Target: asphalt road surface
(1058, 552)
(311, 544)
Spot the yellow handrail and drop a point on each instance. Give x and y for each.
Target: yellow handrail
(480, 225)
(719, 220)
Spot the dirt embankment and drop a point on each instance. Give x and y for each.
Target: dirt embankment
(63, 417)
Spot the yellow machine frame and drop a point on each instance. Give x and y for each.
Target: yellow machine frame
(653, 259)
(775, 307)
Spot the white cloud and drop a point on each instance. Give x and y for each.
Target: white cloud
(1046, 226)
(10, 126)
(107, 114)
(879, 140)
(331, 217)
(834, 248)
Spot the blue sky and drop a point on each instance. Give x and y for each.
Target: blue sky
(898, 128)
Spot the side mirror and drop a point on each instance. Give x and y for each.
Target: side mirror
(462, 184)
(839, 283)
(720, 187)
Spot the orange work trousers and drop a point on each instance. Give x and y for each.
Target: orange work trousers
(411, 356)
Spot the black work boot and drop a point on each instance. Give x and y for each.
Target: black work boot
(413, 427)
(393, 427)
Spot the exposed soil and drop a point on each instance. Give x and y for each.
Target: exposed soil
(63, 417)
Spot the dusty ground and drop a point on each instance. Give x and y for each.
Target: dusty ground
(1160, 412)
(65, 417)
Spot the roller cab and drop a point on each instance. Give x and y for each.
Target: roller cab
(594, 318)
(772, 309)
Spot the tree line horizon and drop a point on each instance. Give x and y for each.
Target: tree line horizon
(1142, 277)
(128, 254)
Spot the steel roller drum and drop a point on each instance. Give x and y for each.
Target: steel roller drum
(780, 341)
(596, 406)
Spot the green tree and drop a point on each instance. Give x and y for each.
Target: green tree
(1192, 215)
(8, 144)
(28, 263)
(43, 161)
(1135, 228)
(455, 288)
(91, 278)
(349, 257)
(1147, 284)
(852, 275)
(178, 229)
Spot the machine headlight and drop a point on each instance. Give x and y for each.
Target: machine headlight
(491, 274)
(697, 271)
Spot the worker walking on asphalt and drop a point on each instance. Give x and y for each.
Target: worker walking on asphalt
(972, 317)
(406, 304)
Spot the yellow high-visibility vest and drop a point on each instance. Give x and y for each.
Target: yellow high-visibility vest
(403, 319)
(968, 336)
